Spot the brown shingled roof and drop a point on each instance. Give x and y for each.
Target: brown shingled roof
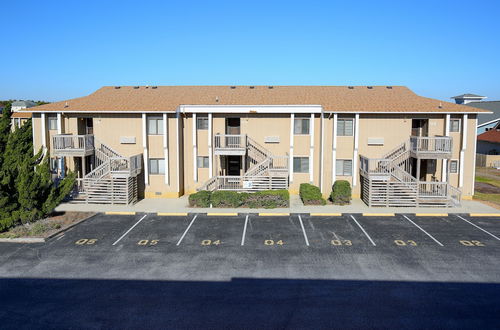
(21, 115)
(493, 135)
(332, 98)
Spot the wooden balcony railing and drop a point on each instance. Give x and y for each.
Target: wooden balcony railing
(427, 145)
(72, 145)
(230, 144)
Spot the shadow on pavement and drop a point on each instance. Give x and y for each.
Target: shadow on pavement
(246, 303)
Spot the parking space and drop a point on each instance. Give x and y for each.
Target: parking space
(489, 224)
(274, 232)
(454, 231)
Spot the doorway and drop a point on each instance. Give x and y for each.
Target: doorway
(233, 165)
(233, 126)
(419, 127)
(85, 126)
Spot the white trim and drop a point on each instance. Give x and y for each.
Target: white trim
(145, 149)
(311, 149)
(195, 150)
(355, 153)
(59, 123)
(458, 165)
(292, 108)
(292, 120)
(462, 152)
(322, 143)
(178, 158)
(474, 157)
(165, 148)
(459, 125)
(334, 148)
(487, 123)
(44, 134)
(444, 163)
(210, 156)
(33, 134)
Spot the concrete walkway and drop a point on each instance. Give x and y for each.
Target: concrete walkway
(180, 205)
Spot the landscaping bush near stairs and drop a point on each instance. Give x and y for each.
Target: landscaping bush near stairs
(311, 195)
(341, 192)
(200, 199)
(262, 199)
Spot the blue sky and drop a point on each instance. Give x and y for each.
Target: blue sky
(54, 50)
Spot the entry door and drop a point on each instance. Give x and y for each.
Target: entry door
(419, 127)
(233, 165)
(233, 126)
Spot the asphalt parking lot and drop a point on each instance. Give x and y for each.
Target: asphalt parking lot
(248, 271)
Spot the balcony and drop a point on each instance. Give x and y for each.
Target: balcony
(437, 147)
(230, 144)
(64, 145)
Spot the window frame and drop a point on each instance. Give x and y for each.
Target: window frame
(459, 125)
(201, 119)
(158, 126)
(457, 167)
(343, 167)
(205, 162)
(50, 120)
(158, 167)
(308, 126)
(343, 130)
(301, 170)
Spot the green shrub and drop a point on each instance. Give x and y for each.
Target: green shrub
(267, 199)
(341, 192)
(311, 195)
(200, 199)
(39, 228)
(225, 199)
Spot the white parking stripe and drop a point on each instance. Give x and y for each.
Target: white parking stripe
(422, 229)
(244, 231)
(187, 229)
(364, 231)
(128, 231)
(487, 232)
(303, 230)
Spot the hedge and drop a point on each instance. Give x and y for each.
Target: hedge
(341, 192)
(261, 199)
(311, 195)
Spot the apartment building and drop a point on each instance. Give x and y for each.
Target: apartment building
(128, 142)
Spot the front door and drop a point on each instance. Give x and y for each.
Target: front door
(233, 126)
(233, 165)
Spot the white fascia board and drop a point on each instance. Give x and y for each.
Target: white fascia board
(292, 108)
(408, 112)
(488, 122)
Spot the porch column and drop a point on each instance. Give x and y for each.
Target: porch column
(195, 150)
(321, 173)
(292, 119)
(462, 151)
(178, 143)
(444, 171)
(334, 149)
(165, 148)
(474, 157)
(311, 149)
(44, 134)
(355, 153)
(210, 138)
(145, 149)
(59, 123)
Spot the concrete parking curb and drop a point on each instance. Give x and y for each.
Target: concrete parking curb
(484, 214)
(119, 213)
(23, 240)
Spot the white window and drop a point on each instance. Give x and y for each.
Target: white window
(156, 166)
(202, 122)
(345, 127)
(455, 125)
(155, 125)
(343, 167)
(454, 166)
(17, 122)
(54, 164)
(301, 126)
(203, 162)
(52, 119)
(301, 164)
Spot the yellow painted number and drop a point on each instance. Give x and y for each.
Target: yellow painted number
(471, 243)
(86, 241)
(400, 242)
(207, 242)
(272, 242)
(148, 242)
(341, 242)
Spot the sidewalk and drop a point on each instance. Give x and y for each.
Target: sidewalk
(180, 205)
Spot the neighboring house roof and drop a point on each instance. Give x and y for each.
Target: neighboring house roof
(332, 98)
(492, 135)
(467, 95)
(493, 106)
(21, 115)
(26, 104)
